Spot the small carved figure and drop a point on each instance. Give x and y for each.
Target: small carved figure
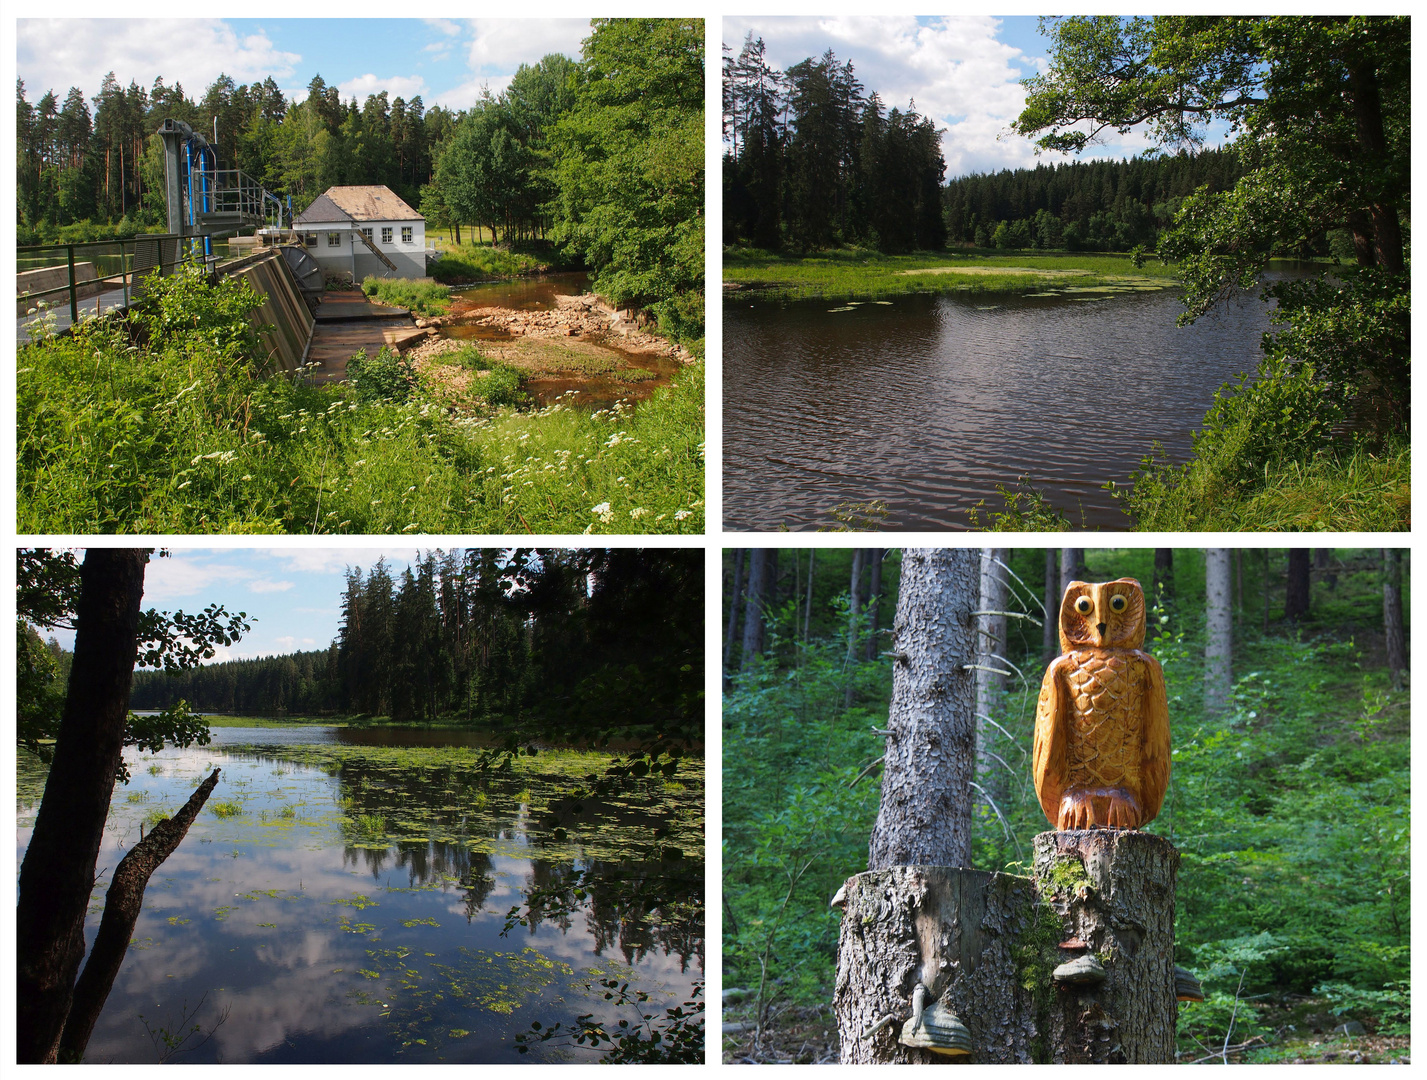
(1102, 720)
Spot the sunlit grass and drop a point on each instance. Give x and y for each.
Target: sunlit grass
(856, 272)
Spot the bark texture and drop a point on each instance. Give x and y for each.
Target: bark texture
(58, 872)
(991, 685)
(1113, 890)
(122, 904)
(956, 932)
(986, 946)
(925, 813)
(753, 607)
(1219, 621)
(1297, 592)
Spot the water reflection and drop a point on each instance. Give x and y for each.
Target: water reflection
(351, 903)
(535, 293)
(928, 402)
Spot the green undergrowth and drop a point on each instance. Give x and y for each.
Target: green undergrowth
(421, 297)
(466, 263)
(1350, 490)
(178, 436)
(857, 272)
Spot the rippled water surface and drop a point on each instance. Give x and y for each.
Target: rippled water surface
(337, 902)
(929, 402)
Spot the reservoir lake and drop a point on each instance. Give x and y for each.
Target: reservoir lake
(928, 402)
(358, 896)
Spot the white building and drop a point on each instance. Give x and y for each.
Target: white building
(364, 231)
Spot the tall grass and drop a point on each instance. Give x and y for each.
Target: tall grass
(855, 272)
(422, 297)
(177, 438)
(467, 262)
(1349, 491)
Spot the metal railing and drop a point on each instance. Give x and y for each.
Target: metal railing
(119, 268)
(233, 195)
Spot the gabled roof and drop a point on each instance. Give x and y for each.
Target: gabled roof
(374, 203)
(323, 209)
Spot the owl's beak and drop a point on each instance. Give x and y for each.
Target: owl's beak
(1100, 627)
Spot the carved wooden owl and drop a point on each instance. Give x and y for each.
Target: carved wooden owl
(1102, 720)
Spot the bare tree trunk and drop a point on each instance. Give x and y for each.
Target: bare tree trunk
(874, 599)
(1050, 640)
(1297, 596)
(854, 611)
(985, 946)
(58, 872)
(122, 904)
(925, 814)
(808, 607)
(753, 607)
(1072, 568)
(990, 685)
(1218, 618)
(1392, 615)
(732, 634)
(1164, 577)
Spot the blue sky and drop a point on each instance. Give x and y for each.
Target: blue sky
(292, 594)
(963, 71)
(446, 61)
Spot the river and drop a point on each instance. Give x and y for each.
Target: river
(928, 402)
(345, 899)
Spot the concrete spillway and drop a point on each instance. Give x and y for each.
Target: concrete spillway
(284, 316)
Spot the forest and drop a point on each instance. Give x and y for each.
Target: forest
(595, 162)
(487, 639)
(1289, 788)
(813, 162)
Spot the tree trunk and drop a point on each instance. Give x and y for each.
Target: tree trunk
(1297, 594)
(985, 945)
(1164, 577)
(808, 607)
(1219, 623)
(925, 813)
(854, 610)
(990, 685)
(753, 607)
(122, 904)
(58, 872)
(1072, 568)
(1050, 639)
(874, 599)
(1392, 615)
(732, 634)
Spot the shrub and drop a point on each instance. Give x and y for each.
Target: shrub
(388, 376)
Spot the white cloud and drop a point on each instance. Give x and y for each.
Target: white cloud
(55, 54)
(265, 586)
(502, 45)
(181, 576)
(445, 26)
(954, 67)
(396, 86)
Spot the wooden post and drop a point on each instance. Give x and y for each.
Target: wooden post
(987, 945)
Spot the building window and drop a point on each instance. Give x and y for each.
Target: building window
(367, 233)
(310, 239)
(334, 239)
(406, 234)
(386, 236)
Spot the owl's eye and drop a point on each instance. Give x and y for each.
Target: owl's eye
(1119, 602)
(1083, 605)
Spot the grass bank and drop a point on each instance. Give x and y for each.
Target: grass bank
(856, 272)
(178, 436)
(420, 297)
(469, 262)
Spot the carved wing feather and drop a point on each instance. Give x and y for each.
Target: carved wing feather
(1154, 760)
(1048, 757)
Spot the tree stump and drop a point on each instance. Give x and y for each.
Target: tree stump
(1114, 890)
(985, 945)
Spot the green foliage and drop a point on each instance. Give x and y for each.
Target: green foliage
(1354, 490)
(628, 159)
(185, 310)
(1026, 510)
(422, 297)
(387, 377)
(467, 263)
(179, 436)
(1290, 809)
